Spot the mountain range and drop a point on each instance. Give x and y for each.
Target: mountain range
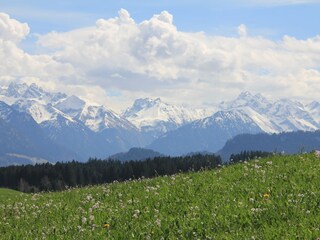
(46, 126)
(248, 113)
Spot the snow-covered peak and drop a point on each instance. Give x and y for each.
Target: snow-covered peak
(72, 105)
(286, 107)
(245, 95)
(140, 104)
(246, 99)
(19, 91)
(150, 112)
(99, 118)
(222, 117)
(275, 116)
(39, 112)
(16, 90)
(34, 91)
(23, 90)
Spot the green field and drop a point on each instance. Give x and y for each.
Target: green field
(274, 198)
(9, 194)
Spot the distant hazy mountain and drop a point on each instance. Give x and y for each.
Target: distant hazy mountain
(155, 117)
(136, 154)
(291, 142)
(208, 134)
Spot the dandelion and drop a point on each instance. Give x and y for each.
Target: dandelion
(106, 226)
(266, 195)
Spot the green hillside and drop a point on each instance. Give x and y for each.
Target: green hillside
(273, 198)
(8, 194)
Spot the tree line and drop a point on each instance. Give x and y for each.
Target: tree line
(248, 155)
(59, 176)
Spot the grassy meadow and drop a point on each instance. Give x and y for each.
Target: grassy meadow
(272, 198)
(9, 193)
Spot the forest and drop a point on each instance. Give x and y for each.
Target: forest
(60, 176)
(63, 175)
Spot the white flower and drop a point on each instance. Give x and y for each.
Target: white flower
(158, 222)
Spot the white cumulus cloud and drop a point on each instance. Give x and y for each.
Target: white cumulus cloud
(16, 64)
(11, 29)
(153, 58)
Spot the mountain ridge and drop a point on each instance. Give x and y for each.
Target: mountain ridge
(97, 131)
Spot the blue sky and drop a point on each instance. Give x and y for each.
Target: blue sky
(268, 18)
(116, 51)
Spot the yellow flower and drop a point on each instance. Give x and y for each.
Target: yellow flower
(106, 225)
(266, 195)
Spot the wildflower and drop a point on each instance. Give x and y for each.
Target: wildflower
(106, 226)
(96, 205)
(136, 213)
(158, 222)
(266, 195)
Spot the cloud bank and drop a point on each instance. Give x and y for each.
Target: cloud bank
(118, 60)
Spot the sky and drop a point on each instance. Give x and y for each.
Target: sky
(191, 53)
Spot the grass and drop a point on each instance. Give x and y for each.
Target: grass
(8, 194)
(273, 198)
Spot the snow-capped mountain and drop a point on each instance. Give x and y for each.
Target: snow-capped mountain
(99, 118)
(314, 109)
(39, 111)
(45, 106)
(208, 134)
(246, 99)
(17, 91)
(23, 141)
(276, 116)
(33, 100)
(71, 106)
(81, 129)
(155, 117)
(70, 122)
(292, 116)
(248, 113)
(149, 112)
